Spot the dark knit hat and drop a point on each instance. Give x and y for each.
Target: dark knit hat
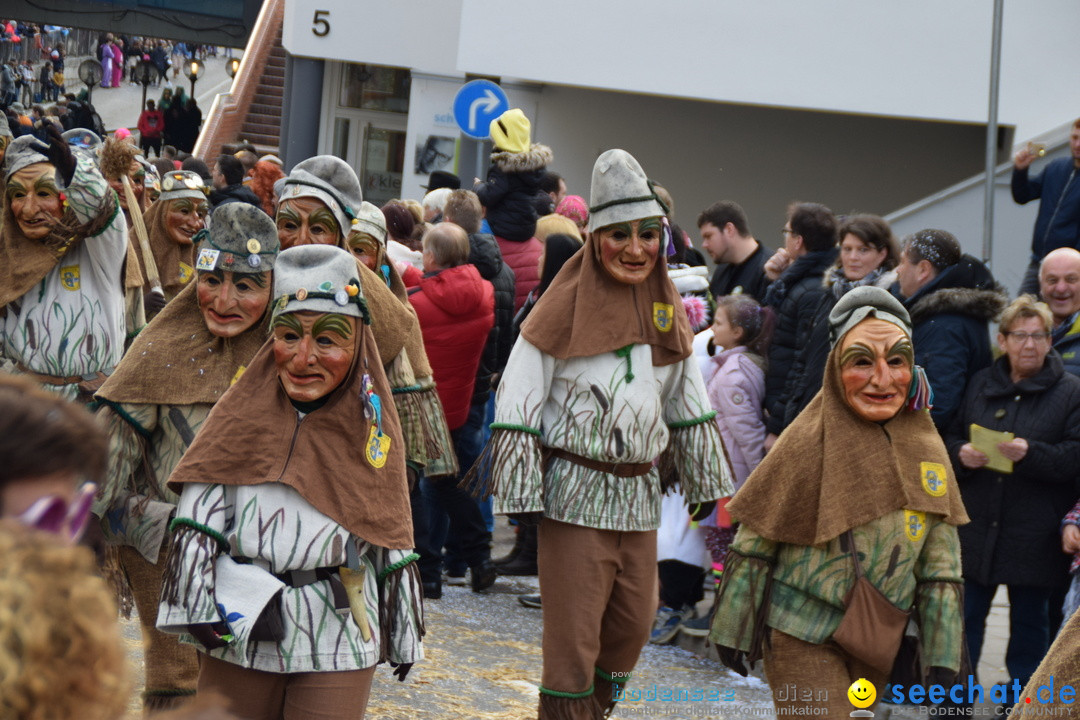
(241, 239)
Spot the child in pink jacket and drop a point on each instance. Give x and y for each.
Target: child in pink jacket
(735, 380)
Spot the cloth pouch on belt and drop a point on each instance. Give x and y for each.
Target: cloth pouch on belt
(140, 522)
(872, 627)
(243, 593)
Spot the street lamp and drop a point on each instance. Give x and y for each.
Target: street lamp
(232, 66)
(194, 70)
(90, 73)
(144, 75)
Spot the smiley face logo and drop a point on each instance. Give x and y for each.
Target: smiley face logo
(862, 694)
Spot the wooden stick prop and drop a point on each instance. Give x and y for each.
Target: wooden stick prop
(144, 240)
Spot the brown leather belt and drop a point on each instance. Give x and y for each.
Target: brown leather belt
(618, 469)
(88, 384)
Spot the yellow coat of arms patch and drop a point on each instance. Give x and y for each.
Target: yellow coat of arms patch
(69, 277)
(914, 524)
(663, 316)
(934, 478)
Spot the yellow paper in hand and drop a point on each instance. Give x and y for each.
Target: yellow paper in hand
(986, 441)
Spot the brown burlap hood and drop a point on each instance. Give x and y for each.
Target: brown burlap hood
(831, 471)
(587, 312)
(167, 253)
(253, 436)
(176, 360)
(24, 262)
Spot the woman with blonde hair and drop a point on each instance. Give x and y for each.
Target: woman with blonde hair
(556, 224)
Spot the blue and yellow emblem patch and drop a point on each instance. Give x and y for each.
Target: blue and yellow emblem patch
(935, 479)
(914, 524)
(69, 277)
(663, 316)
(185, 273)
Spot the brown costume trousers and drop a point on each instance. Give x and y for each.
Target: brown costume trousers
(805, 675)
(599, 600)
(172, 669)
(260, 695)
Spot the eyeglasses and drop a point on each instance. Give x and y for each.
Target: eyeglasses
(52, 514)
(1023, 337)
(787, 231)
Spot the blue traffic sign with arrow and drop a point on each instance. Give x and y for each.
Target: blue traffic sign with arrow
(476, 104)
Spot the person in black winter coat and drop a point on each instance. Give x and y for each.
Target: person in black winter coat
(951, 298)
(809, 242)
(1013, 537)
(511, 191)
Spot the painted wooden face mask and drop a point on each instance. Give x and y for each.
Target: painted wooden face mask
(35, 200)
(876, 365)
(629, 250)
(313, 352)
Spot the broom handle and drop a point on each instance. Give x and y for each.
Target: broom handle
(144, 240)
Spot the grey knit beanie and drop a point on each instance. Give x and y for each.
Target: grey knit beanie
(370, 219)
(621, 191)
(864, 302)
(23, 151)
(318, 278)
(241, 239)
(329, 179)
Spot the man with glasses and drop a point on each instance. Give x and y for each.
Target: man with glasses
(951, 297)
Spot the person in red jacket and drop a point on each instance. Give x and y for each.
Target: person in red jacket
(151, 128)
(456, 309)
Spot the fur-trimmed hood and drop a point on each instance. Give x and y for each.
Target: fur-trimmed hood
(966, 288)
(537, 157)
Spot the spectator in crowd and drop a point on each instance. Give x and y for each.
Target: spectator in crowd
(45, 82)
(26, 82)
(456, 310)
(1017, 500)
(229, 185)
(151, 129)
(1059, 288)
(553, 185)
(9, 89)
(740, 259)
(575, 208)
(1058, 221)
(400, 225)
(556, 224)
(809, 249)
(509, 196)
(434, 202)
(952, 298)
(107, 55)
(263, 177)
(60, 644)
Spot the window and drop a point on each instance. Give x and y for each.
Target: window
(374, 87)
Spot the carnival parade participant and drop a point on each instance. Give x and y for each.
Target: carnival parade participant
(292, 583)
(172, 223)
(321, 203)
(155, 403)
(601, 382)
(61, 251)
(859, 490)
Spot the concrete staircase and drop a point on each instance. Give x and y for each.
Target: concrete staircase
(262, 126)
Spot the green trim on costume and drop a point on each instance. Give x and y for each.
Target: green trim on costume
(107, 225)
(519, 428)
(214, 534)
(410, 558)
(406, 389)
(568, 695)
(693, 421)
(135, 333)
(611, 679)
(624, 352)
(124, 415)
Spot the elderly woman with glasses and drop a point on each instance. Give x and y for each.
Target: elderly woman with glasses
(1017, 486)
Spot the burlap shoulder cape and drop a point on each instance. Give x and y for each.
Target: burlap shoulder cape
(587, 312)
(167, 253)
(25, 262)
(176, 360)
(252, 436)
(831, 471)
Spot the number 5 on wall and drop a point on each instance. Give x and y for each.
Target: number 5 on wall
(320, 25)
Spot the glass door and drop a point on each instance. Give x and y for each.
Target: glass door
(381, 164)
